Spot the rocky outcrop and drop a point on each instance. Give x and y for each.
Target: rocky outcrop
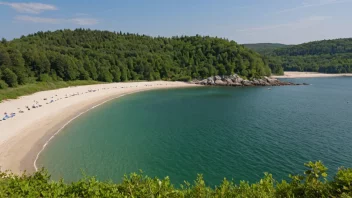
(236, 80)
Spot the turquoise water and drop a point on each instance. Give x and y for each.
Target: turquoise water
(237, 133)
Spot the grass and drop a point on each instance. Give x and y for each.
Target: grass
(13, 93)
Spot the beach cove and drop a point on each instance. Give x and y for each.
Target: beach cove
(23, 136)
(233, 132)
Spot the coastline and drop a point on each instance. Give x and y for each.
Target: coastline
(310, 75)
(21, 144)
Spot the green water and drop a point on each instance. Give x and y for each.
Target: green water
(220, 132)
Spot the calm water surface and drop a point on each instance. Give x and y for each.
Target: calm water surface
(237, 133)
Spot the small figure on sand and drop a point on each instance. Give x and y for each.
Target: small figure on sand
(5, 116)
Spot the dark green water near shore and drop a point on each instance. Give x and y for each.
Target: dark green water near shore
(220, 132)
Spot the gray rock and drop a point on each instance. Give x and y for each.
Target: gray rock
(210, 81)
(255, 82)
(217, 78)
(220, 82)
(237, 80)
(263, 82)
(232, 77)
(247, 83)
(237, 84)
(229, 81)
(204, 82)
(271, 80)
(225, 78)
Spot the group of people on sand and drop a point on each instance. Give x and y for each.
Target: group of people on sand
(36, 104)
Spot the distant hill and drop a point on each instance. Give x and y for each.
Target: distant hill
(265, 48)
(326, 56)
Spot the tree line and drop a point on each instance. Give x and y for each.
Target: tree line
(326, 56)
(84, 54)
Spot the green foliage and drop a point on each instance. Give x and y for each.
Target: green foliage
(114, 57)
(183, 78)
(265, 48)
(343, 181)
(45, 78)
(3, 85)
(311, 184)
(4, 58)
(327, 56)
(9, 77)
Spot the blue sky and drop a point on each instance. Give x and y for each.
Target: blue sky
(245, 21)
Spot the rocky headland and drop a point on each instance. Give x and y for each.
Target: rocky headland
(236, 81)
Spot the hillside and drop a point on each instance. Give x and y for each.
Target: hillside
(326, 56)
(264, 48)
(114, 56)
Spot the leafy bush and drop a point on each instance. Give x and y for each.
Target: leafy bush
(182, 78)
(3, 84)
(10, 77)
(45, 78)
(311, 184)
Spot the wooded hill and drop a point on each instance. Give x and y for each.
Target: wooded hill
(326, 56)
(115, 56)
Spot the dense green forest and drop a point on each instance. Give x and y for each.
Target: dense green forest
(67, 55)
(265, 48)
(326, 56)
(312, 184)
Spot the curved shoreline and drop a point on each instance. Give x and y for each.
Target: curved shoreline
(77, 116)
(67, 123)
(21, 150)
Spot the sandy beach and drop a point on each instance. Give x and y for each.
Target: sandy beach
(309, 75)
(23, 136)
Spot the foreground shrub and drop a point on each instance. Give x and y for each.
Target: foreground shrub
(312, 184)
(3, 84)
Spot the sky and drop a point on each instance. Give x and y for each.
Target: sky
(244, 21)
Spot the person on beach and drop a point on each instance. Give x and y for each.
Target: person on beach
(6, 116)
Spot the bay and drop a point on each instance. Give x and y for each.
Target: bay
(237, 133)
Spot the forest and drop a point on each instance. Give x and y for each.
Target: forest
(326, 56)
(265, 48)
(83, 54)
(92, 55)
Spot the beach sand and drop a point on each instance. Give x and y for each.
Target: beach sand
(309, 75)
(23, 136)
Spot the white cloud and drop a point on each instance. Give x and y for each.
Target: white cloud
(76, 21)
(295, 25)
(314, 3)
(84, 21)
(32, 8)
